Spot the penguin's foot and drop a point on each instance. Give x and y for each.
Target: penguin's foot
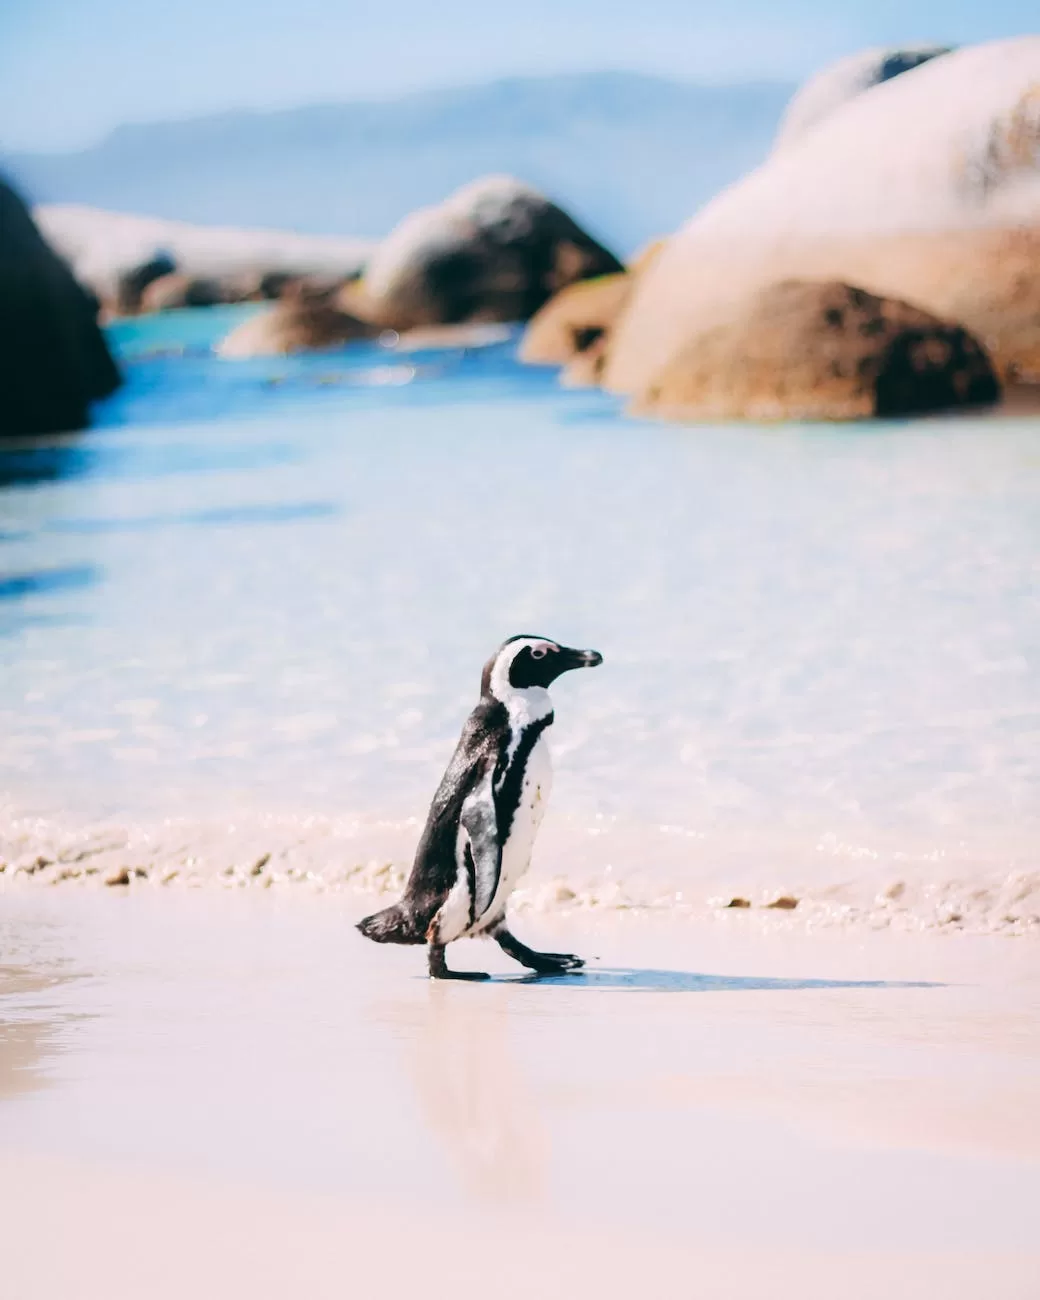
(439, 967)
(545, 963)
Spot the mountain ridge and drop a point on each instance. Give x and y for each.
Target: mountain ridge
(630, 154)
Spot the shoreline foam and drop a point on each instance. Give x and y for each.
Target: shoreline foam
(846, 886)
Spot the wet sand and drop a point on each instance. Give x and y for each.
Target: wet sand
(223, 1095)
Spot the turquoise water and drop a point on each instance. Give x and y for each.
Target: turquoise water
(270, 586)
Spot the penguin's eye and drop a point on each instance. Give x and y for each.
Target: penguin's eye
(539, 651)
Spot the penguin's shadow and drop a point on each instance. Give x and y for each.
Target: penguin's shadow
(678, 981)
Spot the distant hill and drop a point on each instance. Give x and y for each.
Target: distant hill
(630, 155)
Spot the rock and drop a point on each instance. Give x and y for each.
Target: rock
(496, 250)
(573, 328)
(841, 81)
(131, 284)
(105, 246)
(738, 903)
(574, 319)
(785, 903)
(925, 189)
(53, 357)
(294, 326)
(180, 290)
(802, 350)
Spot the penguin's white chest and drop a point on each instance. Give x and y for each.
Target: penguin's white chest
(516, 849)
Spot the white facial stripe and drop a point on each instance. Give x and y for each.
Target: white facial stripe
(501, 687)
(525, 704)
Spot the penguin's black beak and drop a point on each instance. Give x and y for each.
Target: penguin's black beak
(579, 659)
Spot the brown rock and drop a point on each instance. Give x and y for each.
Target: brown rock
(804, 350)
(299, 325)
(573, 328)
(572, 321)
(496, 250)
(53, 357)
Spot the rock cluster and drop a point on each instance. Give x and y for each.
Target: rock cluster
(923, 189)
(495, 251)
(903, 182)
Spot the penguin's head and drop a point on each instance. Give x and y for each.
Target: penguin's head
(526, 661)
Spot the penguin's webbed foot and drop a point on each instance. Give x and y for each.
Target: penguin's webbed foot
(438, 967)
(544, 963)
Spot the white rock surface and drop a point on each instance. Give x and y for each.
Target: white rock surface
(843, 80)
(100, 245)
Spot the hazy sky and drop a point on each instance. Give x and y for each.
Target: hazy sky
(71, 69)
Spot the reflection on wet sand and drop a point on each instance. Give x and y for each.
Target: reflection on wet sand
(28, 1031)
(475, 1098)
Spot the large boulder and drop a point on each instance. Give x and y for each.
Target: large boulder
(53, 356)
(106, 248)
(812, 351)
(496, 250)
(294, 325)
(925, 188)
(841, 81)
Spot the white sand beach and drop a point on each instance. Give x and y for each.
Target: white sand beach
(233, 1094)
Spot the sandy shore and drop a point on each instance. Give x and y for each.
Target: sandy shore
(233, 1094)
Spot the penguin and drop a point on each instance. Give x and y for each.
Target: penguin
(484, 817)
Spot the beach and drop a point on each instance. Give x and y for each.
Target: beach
(793, 830)
(357, 390)
(234, 1093)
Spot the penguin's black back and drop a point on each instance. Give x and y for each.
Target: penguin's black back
(484, 741)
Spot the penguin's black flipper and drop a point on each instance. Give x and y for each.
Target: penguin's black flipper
(545, 963)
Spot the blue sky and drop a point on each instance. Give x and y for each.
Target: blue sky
(72, 69)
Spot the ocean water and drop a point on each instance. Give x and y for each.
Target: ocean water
(243, 618)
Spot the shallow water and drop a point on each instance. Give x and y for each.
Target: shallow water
(259, 594)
